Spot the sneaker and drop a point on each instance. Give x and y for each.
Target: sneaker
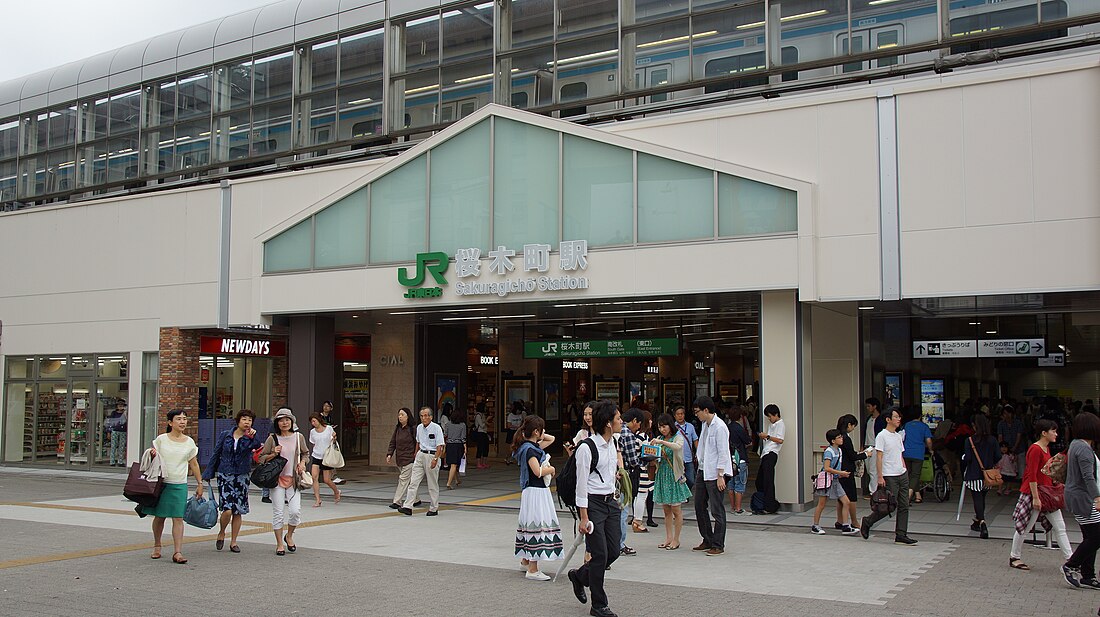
(817, 531)
(1090, 583)
(864, 528)
(405, 511)
(742, 513)
(536, 576)
(266, 500)
(1073, 577)
(433, 513)
(338, 480)
(848, 530)
(627, 551)
(906, 540)
(837, 525)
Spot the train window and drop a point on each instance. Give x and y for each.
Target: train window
(746, 63)
(519, 100)
(574, 92)
(1006, 20)
(366, 129)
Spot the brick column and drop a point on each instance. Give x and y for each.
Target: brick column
(179, 376)
(278, 384)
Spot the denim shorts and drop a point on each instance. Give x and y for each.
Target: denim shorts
(742, 477)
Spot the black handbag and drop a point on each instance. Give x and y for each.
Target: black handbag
(266, 475)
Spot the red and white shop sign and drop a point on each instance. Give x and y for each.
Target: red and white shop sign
(225, 346)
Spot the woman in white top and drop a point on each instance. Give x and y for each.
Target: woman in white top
(286, 498)
(177, 453)
(584, 432)
(481, 437)
(321, 436)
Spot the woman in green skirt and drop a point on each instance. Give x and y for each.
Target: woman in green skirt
(177, 453)
(670, 490)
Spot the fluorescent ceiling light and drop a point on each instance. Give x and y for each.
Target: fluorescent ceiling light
(422, 89)
(714, 332)
(465, 310)
(596, 54)
(510, 316)
(589, 323)
(677, 39)
(878, 2)
(632, 312)
(866, 308)
(356, 102)
(757, 24)
(474, 78)
(975, 323)
(645, 301)
(990, 331)
(673, 310)
(486, 317)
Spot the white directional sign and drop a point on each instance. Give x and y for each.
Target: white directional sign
(1012, 348)
(945, 349)
(1054, 359)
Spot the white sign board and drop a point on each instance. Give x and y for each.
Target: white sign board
(945, 349)
(1012, 348)
(1054, 359)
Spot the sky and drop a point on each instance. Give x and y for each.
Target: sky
(77, 29)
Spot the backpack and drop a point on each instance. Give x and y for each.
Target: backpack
(567, 478)
(883, 501)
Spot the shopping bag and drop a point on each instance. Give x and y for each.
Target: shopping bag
(462, 466)
(141, 489)
(201, 512)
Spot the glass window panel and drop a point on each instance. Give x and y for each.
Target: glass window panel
(876, 13)
(360, 111)
(125, 112)
(20, 368)
(19, 417)
(531, 77)
(525, 184)
(193, 97)
(748, 207)
(657, 46)
(728, 41)
(157, 150)
(272, 77)
(61, 172)
(91, 164)
(468, 33)
(9, 138)
(150, 366)
(887, 39)
(322, 64)
(192, 144)
(649, 10)
(231, 136)
(421, 43)
(802, 18)
(593, 61)
(341, 233)
(271, 129)
(62, 127)
(421, 99)
(95, 119)
(113, 366)
(233, 83)
(466, 87)
(290, 250)
(460, 191)
(162, 103)
(38, 132)
(398, 213)
(122, 158)
(361, 56)
(8, 180)
(33, 175)
(53, 367)
(318, 114)
(532, 23)
(580, 17)
(598, 194)
(967, 22)
(675, 200)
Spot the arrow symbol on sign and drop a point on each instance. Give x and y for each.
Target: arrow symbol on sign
(920, 349)
(1038, 347)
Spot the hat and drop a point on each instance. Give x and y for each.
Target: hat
(285, 412)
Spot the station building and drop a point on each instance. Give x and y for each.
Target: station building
(399, 204)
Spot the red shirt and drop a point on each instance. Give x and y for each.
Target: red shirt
(1036, 458)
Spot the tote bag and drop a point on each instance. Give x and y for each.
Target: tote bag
(140, 489)
(333, 457)
(201, 512)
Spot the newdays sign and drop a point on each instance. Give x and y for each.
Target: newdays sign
(572, 256)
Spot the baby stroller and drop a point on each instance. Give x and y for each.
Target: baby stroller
(933, 476)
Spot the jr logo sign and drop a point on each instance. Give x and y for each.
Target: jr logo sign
(435, 264)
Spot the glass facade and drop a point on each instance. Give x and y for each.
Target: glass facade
(507, 183)
(341, 90)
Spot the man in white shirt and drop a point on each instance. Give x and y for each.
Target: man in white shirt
(710, 481)
(890, 469)
(769, 458)
(429, 441)
(598, 507)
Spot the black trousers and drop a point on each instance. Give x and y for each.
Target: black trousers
(979, 504)
(482, 441)
(765, 481)
(602, 544)
(709, 504)
(1084, 558)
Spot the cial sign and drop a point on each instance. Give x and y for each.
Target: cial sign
(1012, 348)
(945, 349)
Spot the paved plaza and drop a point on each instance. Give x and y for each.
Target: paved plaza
(73, 546)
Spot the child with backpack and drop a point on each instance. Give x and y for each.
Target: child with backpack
(826, 483)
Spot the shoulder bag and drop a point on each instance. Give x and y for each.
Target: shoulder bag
(141, 487)
(266, 475)
(333, 457)
(201, 512)
(991, 478)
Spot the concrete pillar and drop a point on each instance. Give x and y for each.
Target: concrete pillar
(311, 364)
(834, 372)
(782, 342)
(392, 383)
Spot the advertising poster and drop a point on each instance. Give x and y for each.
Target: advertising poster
(635, 391)
(551, 402)
(892, 396)
(446, 391)
(729, 392)
(931, 401)
(675, 394)
(518, 390)
(607, 390)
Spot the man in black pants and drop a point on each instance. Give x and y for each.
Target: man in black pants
(773, 442)
(710, 480)
(598, 508)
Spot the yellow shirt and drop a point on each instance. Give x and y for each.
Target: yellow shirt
(174, 456)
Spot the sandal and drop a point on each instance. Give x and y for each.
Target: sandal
(338, 496)
(290, 547)
(663, 545)
(180, 560)
(1018, 564)
(672, 547)
(156, 552)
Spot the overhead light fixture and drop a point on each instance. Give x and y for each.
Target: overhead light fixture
(422, 89)
(591, 56)
(1062, 347)
(757, 24)
(990, 331)
(439, 312)
(879, 2)
(631, 312)
(645, 301)
(677, 39)
(714, 332)
(676, 310)
(589, 323)
(975, 323)
(866, 308)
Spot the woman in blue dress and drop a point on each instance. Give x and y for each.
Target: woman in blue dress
(231, 462)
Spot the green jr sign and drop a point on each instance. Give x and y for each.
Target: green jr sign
(435, 264)
(623, 348)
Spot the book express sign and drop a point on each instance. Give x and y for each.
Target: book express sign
(236, 346)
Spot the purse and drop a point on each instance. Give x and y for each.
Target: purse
(1053, 498)
(990, 477)
(333, 457)
(305, 480)
(201, 512)
(140, 489)
(266, 475)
